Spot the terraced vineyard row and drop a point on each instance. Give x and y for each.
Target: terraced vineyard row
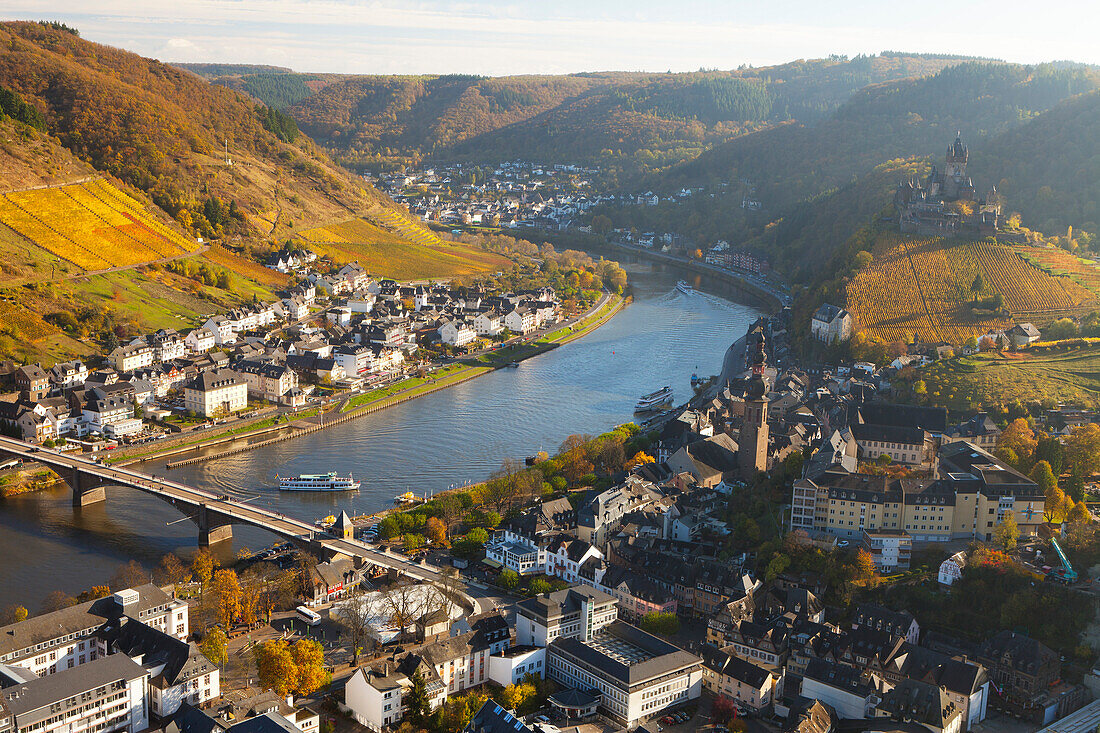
(92, 225)
(923, 287)
(1057, 261)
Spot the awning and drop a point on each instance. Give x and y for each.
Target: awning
(492, 563)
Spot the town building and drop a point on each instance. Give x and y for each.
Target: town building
(831, 324)
(635, 674)
(563, 614)
(970, 493)
(216, 392)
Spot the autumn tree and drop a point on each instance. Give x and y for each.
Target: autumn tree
(1006, 533)
(1042, 474)
(508, 578)
(1082, 450)
(1019, 438)
(172, 571)
(640, 458)
(865, 563)
(225, 590)
(1054, 506)
(297, 669)
(436, 531)
(215, 646)
(1079, 513)
(203, 566)
(309, 661)
(275, 668)
(130, 575)
(56, 601)
(13, 615)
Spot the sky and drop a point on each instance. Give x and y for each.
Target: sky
(501, 37)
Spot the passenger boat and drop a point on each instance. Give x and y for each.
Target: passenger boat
(318, 482)
(654, 400)
(684, 288)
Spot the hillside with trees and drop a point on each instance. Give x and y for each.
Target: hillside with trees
(914, 117)
(640, 121)
(1048, 168)
(165, 131)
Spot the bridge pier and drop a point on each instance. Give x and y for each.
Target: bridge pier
(87, 490)
(214, 526)
(214, 535)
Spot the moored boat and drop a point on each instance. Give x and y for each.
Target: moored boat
(654, 400)
(318, 482)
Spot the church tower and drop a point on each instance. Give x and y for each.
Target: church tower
(752, 443)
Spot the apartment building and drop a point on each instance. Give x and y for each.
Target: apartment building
(109, 694)
(70, 637)
(969, 493)
(216, 392)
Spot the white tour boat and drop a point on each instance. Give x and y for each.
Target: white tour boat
(318, 482)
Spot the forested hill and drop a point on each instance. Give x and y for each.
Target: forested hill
(641, 121)
(164, 131)
(214, 71)
(792, 162)
(1048, 168)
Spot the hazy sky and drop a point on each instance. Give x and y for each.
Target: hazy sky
(554, 36)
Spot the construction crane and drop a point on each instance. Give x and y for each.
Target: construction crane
(1065, 574)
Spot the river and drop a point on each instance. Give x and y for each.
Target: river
(453, 436)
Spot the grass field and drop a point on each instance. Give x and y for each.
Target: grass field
(91, 225)
(922, 287)
(1070, 375)
(407, 251)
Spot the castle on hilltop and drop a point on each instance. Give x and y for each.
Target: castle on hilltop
(945, 203)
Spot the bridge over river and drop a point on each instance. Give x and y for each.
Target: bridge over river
(214, 514)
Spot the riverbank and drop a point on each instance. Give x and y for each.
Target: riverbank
(385, 397)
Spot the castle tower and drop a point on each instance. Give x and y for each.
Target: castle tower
(957, 155)
(752, 443)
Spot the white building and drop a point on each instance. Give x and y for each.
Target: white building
(563, 614)
(375, 698)
(109, 694)
(520, 320)
(488, 323)
(637, 675)
(831, 324)
(200, 340)
(222, 328)
(217, 392)
(457, 333)
(951, 569)
(132, 356)
(510, 666)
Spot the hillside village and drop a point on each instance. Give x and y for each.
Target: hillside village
(338, 333)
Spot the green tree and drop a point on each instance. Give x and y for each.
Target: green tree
(776, 567)
(1006, 533)
(215, 646)
(1042, 474)
(665, 624)
(539, 586)
(508, 579)
(417, 699)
